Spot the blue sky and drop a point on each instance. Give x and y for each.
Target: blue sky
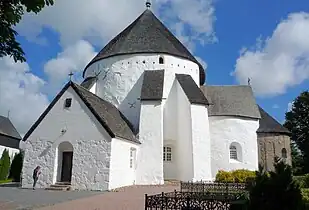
(236, 25)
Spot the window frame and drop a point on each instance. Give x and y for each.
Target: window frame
(68, 103)
(132, 159)
(233, 152)
(161, 60)
(284, 153)
(167, 153)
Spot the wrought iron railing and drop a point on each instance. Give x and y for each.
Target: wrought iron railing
(214, 187)
(195, 201)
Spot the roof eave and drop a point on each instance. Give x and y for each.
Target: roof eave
(134, 53)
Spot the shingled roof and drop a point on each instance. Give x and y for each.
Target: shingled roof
(192, 91)
(107, 114)
(9, 136)
(88, 82)
(152, 88)
(146, 34)
(231, 100)
(269, 125)
(7, 128)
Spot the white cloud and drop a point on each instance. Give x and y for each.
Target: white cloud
(98, 21)
(25, 95)
(279, 62)
(192, 20)
(290, 106)
(73, 59)
(20, 94)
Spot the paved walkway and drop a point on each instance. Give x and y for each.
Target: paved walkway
(131, 198)
(13, 197)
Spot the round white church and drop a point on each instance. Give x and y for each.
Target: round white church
(143, 115)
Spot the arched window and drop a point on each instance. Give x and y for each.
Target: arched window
(161, 60)
(284, 153)
(167, 154)
(233, 152)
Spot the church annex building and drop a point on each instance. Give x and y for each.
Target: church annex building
(143, 115)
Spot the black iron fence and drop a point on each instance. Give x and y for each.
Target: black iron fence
(196, 201)
(215, 187)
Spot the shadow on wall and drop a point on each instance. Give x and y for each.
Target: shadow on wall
(131, 105)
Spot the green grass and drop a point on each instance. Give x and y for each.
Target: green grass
(5, 181)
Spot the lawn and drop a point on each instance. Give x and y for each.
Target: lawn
(5, 181)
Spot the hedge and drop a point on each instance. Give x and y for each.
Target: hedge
(4, 165)
(235, 176)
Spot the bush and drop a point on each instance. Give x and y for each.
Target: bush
(17, 164)
(277, 190)
(303, 181)
(242, 175)
(224, 176)
(4, 165)
(238, 176)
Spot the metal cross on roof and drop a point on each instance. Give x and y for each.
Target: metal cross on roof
(148, 4)
(70, 75)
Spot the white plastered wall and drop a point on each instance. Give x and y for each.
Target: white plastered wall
(201, 144)
(184, 141)
(171, 134)
(150, 155)
(91, 146)
(225, 130)
(186, 131)
(121, 174)
(121, 78)
(93, 88)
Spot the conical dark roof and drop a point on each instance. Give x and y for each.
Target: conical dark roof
(146, 34)
(269, 125)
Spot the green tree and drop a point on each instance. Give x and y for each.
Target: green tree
(16, 167)
(297, 121)
(4, 165)
(11, 12)
(277, 190)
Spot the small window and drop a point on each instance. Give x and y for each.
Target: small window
(68, 102)
(284, 153)
(161, 60)
(132, 157)
(233, 152)
(167, 154)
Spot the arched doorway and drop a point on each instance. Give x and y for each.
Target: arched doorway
(65, 162)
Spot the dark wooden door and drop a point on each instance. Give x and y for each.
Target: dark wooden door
(66, 171)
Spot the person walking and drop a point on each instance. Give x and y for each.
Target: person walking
(36, 173)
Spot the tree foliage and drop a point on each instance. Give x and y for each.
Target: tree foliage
(16, 167)
(4, 165)
(277, 190)
(297, 121)
(11, 12)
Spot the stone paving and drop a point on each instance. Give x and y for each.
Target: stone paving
(12, 197)
(132, 198)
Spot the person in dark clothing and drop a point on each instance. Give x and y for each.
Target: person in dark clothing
(36, 173)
